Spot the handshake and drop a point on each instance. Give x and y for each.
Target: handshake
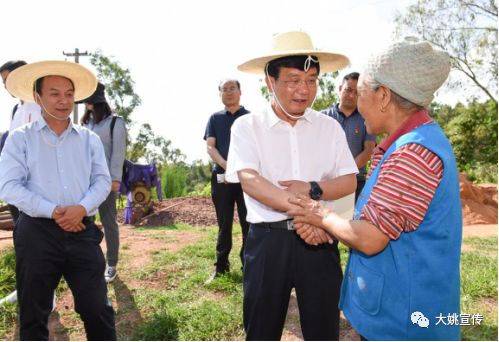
(309, 220)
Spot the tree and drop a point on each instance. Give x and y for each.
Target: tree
(325, 95)
(473, 132)
(149, 147)
(119, 85)
(466, 29)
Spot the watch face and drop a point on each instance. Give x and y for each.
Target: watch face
(315, 191)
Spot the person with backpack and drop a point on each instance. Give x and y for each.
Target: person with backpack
(111, 129)
(23, 112)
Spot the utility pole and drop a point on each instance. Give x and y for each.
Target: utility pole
(76, 55)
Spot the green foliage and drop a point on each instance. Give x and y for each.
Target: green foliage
(148, 147)
(7, 272)
(119, 84)
(325, 94)
(7, 285)
(198, 178)
(480, 278)
(181, 179)
(467, 30)
(173, 180)
(472, 131)
(186, 308)
(479, 287)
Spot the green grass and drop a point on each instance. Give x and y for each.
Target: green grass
(187, 309)
(8, 312)
(479, 288)
(171, 301)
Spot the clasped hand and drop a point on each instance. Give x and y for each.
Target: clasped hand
(307, 213)
(70, 218)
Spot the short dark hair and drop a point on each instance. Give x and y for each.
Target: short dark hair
(37, 86)
(225, 80)
(351, 76)
(12, 65)
(296, 62)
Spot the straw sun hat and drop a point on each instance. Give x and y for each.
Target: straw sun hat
(294, 44)
(20, 81)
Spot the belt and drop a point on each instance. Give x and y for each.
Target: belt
(88, 219)
(285, 224)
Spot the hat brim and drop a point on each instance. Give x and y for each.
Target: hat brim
(20, 81)
(328, 61)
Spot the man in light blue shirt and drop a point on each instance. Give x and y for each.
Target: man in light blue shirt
(56, 174)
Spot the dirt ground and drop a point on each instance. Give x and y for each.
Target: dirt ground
(479, 217)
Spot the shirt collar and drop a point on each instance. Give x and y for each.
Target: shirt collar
(339, 112)
(41, 124)
(271, 118)
(415, 120)
(241, 110)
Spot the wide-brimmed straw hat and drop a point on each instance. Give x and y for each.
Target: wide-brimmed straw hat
(294, 43)
(20, 81)
(411, 68)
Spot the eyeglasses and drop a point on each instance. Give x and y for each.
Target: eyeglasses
(293, 84)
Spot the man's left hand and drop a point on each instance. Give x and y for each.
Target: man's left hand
(71, 218)
(296, 186)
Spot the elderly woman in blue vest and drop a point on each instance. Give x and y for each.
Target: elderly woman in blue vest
(402, 278)
(99, 118)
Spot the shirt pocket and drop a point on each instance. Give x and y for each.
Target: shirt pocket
(366, 287)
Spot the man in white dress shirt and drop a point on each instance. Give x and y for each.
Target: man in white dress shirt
(284, 150)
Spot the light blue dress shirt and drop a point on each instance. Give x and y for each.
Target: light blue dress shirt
(40, 171)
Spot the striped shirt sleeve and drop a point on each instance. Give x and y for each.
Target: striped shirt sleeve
(406, 185)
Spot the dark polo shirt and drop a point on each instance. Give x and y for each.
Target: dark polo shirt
(355, 131)
(218, 127)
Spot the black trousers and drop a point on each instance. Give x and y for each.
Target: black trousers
(45, 253)
(278, 260)
(14, 212)
(224, 197)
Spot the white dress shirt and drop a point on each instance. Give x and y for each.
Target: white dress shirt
(26, 112)
(315, 149)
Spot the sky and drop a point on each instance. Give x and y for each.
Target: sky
(178, 51)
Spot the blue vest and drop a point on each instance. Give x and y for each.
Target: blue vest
(418, 272)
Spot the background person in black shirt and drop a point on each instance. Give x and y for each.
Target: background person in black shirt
(223, 194)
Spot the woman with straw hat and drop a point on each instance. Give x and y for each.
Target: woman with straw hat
(56, 174)
(402, 276)
(275, 154)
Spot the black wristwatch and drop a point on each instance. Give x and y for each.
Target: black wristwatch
(315, 191)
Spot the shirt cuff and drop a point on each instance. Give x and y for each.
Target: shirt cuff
(46, 209)
(86, 206)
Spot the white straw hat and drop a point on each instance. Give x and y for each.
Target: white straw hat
(294, 44)
(411, 68)
(20, 81)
